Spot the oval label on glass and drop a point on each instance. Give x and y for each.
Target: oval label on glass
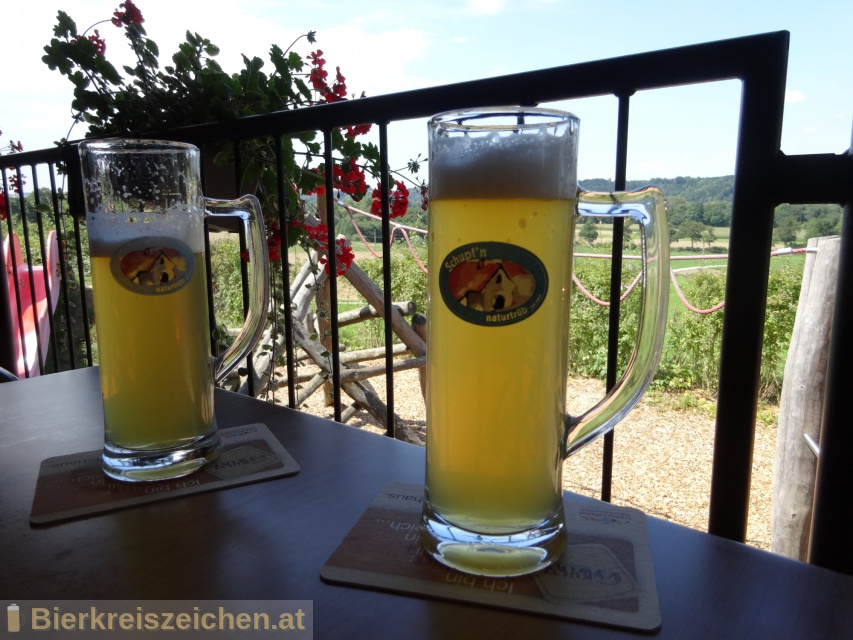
(492, 284)
(153, 266)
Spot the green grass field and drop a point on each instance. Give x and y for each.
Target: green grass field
(688, 261)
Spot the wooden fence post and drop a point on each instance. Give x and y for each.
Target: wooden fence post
(419, 325)
(801, 405)
(323, 297)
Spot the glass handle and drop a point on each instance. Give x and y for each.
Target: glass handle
(248, 210)
(648, 207)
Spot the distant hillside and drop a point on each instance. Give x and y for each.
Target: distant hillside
(691, 189)
(709, 202)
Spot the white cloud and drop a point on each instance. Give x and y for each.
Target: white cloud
(486, 7)
(374, 55)
(793, 96)
(375, 62)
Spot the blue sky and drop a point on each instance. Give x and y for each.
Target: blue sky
(384, 46)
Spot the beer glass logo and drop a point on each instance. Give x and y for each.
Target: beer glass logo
(492, 283)
(13, 618)
(153, 266)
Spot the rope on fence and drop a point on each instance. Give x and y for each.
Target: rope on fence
(604, 303)
(395, 227)
(684, 301)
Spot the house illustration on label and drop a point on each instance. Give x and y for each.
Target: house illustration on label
(491, 285)
(153, 266)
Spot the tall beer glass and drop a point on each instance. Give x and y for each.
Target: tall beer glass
(503, 204)
(145, 220)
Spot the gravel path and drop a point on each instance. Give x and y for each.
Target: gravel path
(662, 456)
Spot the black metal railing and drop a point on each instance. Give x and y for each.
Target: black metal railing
(45, 355)
(764, 178)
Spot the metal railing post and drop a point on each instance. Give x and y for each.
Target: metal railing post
(615, 286)
(750, 242)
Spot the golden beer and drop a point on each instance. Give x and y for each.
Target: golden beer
(158, 392)
(503, 202)
(502, 208)
(145, 219)
(493, 460)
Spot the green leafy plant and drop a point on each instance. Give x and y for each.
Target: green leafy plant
(14, 184)
(194, 89)
(147, 98)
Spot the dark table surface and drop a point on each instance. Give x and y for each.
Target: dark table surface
(268, 541)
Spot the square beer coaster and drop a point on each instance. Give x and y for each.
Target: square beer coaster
(605, 576)
(73, 486)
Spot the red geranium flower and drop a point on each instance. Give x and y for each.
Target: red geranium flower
(399, 201)
(319, 234)
(131, 14)
(16, 186)
(357, 130)
(317, 78)
(100, 44)
(343, 257)
(274, 243)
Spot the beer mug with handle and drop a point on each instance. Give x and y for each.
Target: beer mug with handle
(145, 219)
(503, 204)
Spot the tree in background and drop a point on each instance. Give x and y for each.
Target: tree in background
(588, 231)
(827, 225)
(692, 229)
(708, 236)
(717, 214)
(816, 221)
(786, 230)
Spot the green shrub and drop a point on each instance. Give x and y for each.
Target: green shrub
(692, 353)
(226, 282)
(589, 320)
(408, 282)
(783, 297)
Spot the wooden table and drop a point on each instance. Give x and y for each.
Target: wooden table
(269, 540)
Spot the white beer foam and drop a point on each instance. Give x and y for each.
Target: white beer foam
(109, 230)
(137, 188)
(532, 163)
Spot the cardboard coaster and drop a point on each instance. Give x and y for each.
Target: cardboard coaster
(605, 575)
(73, 486)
